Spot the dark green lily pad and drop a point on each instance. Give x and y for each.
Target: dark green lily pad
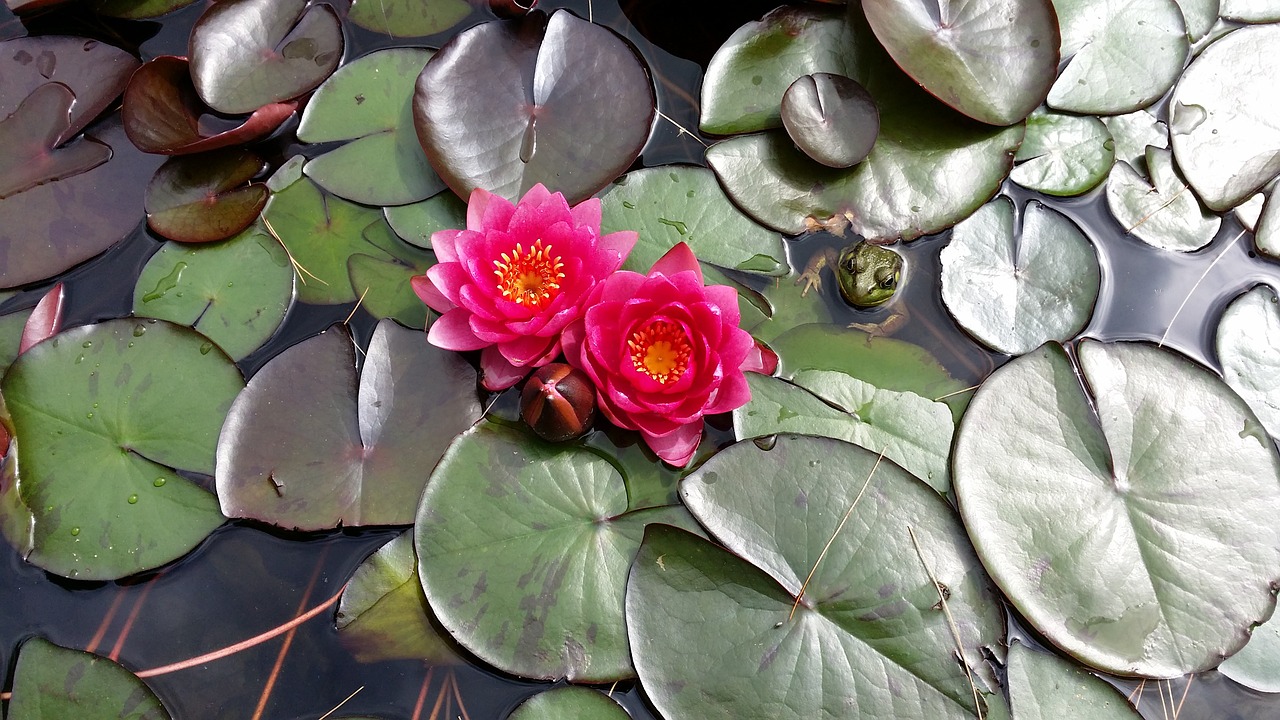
(1063, 155)
(1134, 526)
(138, 9)
(523, 550)
(566, 103)
(569, 703)
(383, 614)
(56, 682)
(304, 447)
(382, 282)
(675, 203)
(963, 52)
(417, 222)
(831, 118)
(236, 293)
(207, 197)
(1159, 211)
(1245, 342)
(370, 102)
(1258, 665)
(162, 112)
(30, 137)
(1224, 117)
(1046, 687)
(126, 403)
(867, 638)
(1014, 288)
(249, 53)
(96, 74)
(408, 18)
(1121, 56)
(11, 325)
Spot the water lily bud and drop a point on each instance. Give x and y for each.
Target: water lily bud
(558, 402)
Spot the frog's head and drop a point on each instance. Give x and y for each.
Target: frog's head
(868, 274)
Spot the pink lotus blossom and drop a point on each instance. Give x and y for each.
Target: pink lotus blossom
(663, 350)
(510, 282)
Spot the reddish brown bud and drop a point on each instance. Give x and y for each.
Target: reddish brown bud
(558, 402)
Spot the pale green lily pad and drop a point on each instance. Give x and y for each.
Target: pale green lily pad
(913, 431)
(370, 102)
(127, 403)
(1251, 11)
(382, 282)
(408, 18)
(569, 703)
(1246, 342)
(1015, 288)
(383, 614)
(867, 639)
(1250, 211)
(1132, 133)
(1200, 15)
(1122, 55)
(1266, 236)
(523, 550)
(1224, 117)
(417, 222)
(1046, 687)
(234, 292)
(675, 203)
(1133, 526)
(1160, 212)
(56, 682)
(1258, 665)
(1063, 155)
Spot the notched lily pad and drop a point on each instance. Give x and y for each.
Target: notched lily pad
(1063, 155)
(831, 118)
(207, 197)
(51, 681)
(1257, 666)
(30, 135)
(94, 72)
(1132, 133)
(1160, 212)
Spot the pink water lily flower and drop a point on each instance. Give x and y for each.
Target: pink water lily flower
(510, 282)
(663, 350)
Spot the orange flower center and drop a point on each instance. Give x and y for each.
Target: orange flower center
(660, 350)
(529, 277)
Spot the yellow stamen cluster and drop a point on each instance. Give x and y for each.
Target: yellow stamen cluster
(529, 278)
(660, 350)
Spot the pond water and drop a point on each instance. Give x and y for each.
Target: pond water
(247, 579)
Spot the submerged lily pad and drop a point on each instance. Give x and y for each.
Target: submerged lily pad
(831, 118)
(1134, 526)
(1046, 687)
(207, 197)
(80, 411)
(566, 103)
(569, 703)
(408, 18)
(94, 72)
(1014, 288)
(138, 9)
(249, 53)
(867, 638)
(963, 52)
(524, 549)
(370, 102)
(1246, 342)
(1160, 212)
(304, 448)
(1063, 155)
(56, 682)
(1224, 117)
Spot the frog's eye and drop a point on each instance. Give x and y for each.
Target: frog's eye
(887, 278)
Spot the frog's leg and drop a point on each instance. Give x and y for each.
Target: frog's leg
(812, 275)
(885, 327)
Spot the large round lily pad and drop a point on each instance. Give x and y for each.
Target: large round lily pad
(1133, 525)
(715, 635)
(523, 550)
(56, 682)
(105, 415)
(566, 103)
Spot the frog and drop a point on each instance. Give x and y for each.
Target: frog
(868, 275)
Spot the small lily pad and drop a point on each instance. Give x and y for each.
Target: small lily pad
(56, 682)
(1063, 155)
(408, 18)
(1257, 666)
(1132, 133)
(1046, 687)
(831, 118)
(383, 282)
(417, 222)
(1246, 342)
(370, 102)
(569, 703)
(1160, 212)
(1016, 288)
(207, 197)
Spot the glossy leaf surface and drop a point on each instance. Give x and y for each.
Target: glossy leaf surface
(1063, 155)
(96, 74)
(30, 136)
(417, 222)
(1046, 687)
(1160, 212)
(57, 682)
(1132, 133)
(569, 703)
(1247, 339)
(831, 118)
(45, 319)
(205, 198)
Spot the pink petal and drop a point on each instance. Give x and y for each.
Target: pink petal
(538, 195)
(45, 320)
(525, 350)
(678, 259)
(732, 394)
(726, 298)
(620, 242)
(452, 331)
(443, 243)
(486, 210)
(427, 293)
(587, 214)
(449, 278)
(498, 374)
(761, 359)
(676, 449)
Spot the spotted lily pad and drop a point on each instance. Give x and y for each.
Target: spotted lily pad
(79, 411)
(1062, 154)
(408, 18)
(1247, 338)
(1160, 212)
(524, 549)
(305, 447)
(57, 682)
(369, 102)
(566, 103)
(1133, 524)
(867, 637)
(207, 197)
(1046, 687)
(94, 72)
(569, 703)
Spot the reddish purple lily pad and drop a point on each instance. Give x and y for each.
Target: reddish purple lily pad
(96, 73)
(29, 155)
(162, 112)
(204, 198)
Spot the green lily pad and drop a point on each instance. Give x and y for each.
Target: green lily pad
(417, 222)
(566, 103)
(867, 639)
(94, 72)
(1160, 212)
(1266, 236)
(206, 197)
(1015, 288)
(831, 118)
(56, 682)
(304, 447)
(1063, 155)
(1224, 117)
(236, 293)
(1046, 687)
(1246, 341)
(383, 614)
(126, 403)
(370, 102)
(138, 9)
(383, 282)
(1200, 15)
(961, 52)
(523, 551)
(1122, 55)
(913, 431)
(1132, 133)
(1251, 11)
(1133, 526)
(569, 703)
(11, 325)
(249, 53)
(408, 18)
(675, 203)
(1257, 666)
